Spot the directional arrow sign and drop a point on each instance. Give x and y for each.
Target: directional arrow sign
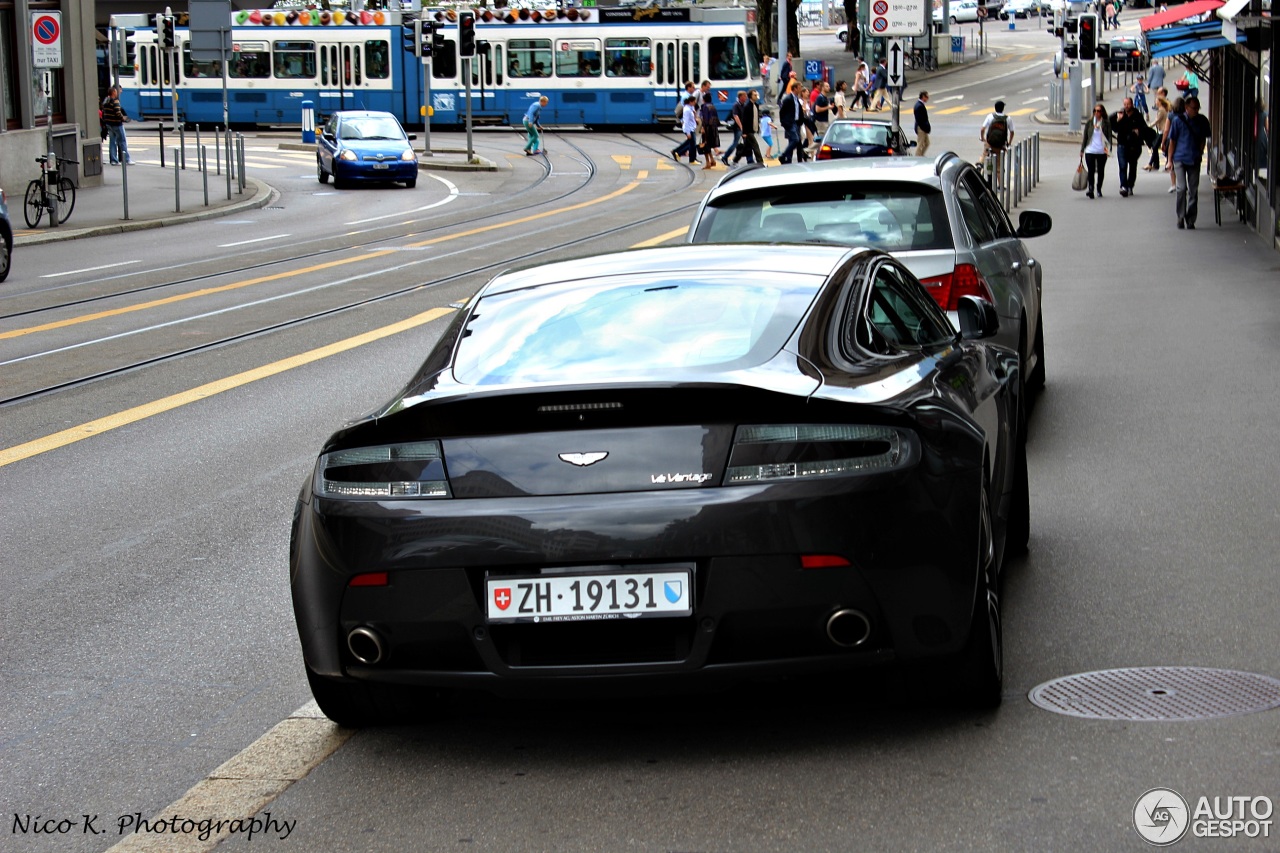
(896, 57)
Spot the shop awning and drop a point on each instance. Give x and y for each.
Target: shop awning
(1188, 38)
(1179, 13)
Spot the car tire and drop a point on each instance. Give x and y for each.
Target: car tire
(979, 669)
(6, 256)
(1035, 382)
(411, 183)
(843, 35)
(954, 21)
(321, 175)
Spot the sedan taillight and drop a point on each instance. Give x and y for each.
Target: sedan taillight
(763, 454)
(824, 153)
(964, 280)
(413, 470)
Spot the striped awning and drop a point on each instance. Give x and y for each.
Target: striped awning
(1179, 13)
(1188, 38)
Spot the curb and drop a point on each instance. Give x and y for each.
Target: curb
(263, 194)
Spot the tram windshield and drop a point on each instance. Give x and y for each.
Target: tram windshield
(728, 58)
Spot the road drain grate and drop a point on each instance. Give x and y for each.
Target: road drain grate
(1158, 693)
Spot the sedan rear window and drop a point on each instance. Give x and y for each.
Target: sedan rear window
(890, 216)
(630, 326)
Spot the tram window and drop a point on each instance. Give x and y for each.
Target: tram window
(252, 62)
(191, 68)
(295, 59)
(377, 62)
(753, 56)
(578, 58)
(497, 62)
(627, 57)
(672, 80)
(446, 67)
(144, 67)
(529, 58)
(685, 71)
(728, 59)
(697, 62)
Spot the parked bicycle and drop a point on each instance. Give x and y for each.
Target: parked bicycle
(922, 59)
(43, 191)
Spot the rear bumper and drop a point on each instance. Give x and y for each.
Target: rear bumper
(910, 536)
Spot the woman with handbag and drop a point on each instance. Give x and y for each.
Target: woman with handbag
(1160, 125)
(1095, 145)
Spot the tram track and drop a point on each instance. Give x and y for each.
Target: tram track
(319, 254)
(329, 312)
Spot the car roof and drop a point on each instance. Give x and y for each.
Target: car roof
(922, 170)
(363, 114)
(738, 259)
(870, 122)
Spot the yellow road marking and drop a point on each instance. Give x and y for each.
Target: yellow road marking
(662, 238)
(951, 110)
(209, 389)
(208, 291)
(1022, 112)
(623, 160)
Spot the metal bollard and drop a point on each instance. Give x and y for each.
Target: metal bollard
(177, 187)
(124, 183)
(240, 162)
(226, 140)
(217, 149)
(199, 147)
(160, 127)
(182, 145)
(204, 173)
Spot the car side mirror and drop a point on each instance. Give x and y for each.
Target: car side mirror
(1034, 223)
(978, 318)
(413, 136)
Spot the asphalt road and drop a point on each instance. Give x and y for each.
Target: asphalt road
(149, 633)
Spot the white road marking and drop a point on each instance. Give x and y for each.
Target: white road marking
(453, 194)
(1034, 100)
(255, 240)
(90, 269)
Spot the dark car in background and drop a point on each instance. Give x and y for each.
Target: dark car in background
(675, 466)
(6, 238)
(363, 145)
(861, 138)
(1126, 53)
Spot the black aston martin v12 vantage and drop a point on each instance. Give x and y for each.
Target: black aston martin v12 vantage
(686, 463)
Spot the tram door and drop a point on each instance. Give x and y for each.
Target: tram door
(675, 61)
(155, 80)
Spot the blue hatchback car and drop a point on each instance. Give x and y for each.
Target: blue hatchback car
(360, 145)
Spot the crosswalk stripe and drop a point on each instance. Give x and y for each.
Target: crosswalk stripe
(1022, 112)
(950, 110)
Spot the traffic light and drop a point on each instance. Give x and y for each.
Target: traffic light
(1088, 37)
(1071, 25)
(168, 38)
(426, 39)
(466, 33)
(1069, 50)
(437, 45)
(409, 31)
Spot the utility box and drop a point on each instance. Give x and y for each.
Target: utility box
(91, 162)
(66, 146)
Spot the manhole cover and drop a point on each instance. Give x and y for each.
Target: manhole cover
(1156, 693)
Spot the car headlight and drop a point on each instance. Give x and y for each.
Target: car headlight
(408, 154)
(347, 154)
(414, 470)
(780, 453)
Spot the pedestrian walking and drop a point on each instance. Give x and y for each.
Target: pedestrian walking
(688, 126)
(822, 109)
(1130, 132)
(790, 115)
(709, 122)
(1095, 145)
(766, 131)
(735, 116)
(923, 128)
(750, 119)
(1155, 76)
(1161, 126)
(1188, 133)
(533, 127)
(114, 117)
(785, 74)
(1139, 90)
(881, 83)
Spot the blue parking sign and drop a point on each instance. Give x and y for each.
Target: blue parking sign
(813, 69)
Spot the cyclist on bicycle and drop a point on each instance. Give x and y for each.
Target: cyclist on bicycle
(996, 135)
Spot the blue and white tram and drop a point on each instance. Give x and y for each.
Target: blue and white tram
(604, 66)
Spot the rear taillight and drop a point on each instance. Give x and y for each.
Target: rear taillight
(786, 453)
(414, 470)
(964, 280)
(824, 153)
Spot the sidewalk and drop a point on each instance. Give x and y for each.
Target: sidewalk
(100, 210)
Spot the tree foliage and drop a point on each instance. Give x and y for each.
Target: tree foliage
(851, 25)
(767, 26)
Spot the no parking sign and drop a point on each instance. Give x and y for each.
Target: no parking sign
(46, 39)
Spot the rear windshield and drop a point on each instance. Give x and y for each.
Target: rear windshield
(848, 133)
(630, 327)
(891, 216)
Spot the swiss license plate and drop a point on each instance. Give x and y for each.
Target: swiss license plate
(575, 597)
(382, 165)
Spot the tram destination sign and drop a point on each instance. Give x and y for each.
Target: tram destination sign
(898, 18)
